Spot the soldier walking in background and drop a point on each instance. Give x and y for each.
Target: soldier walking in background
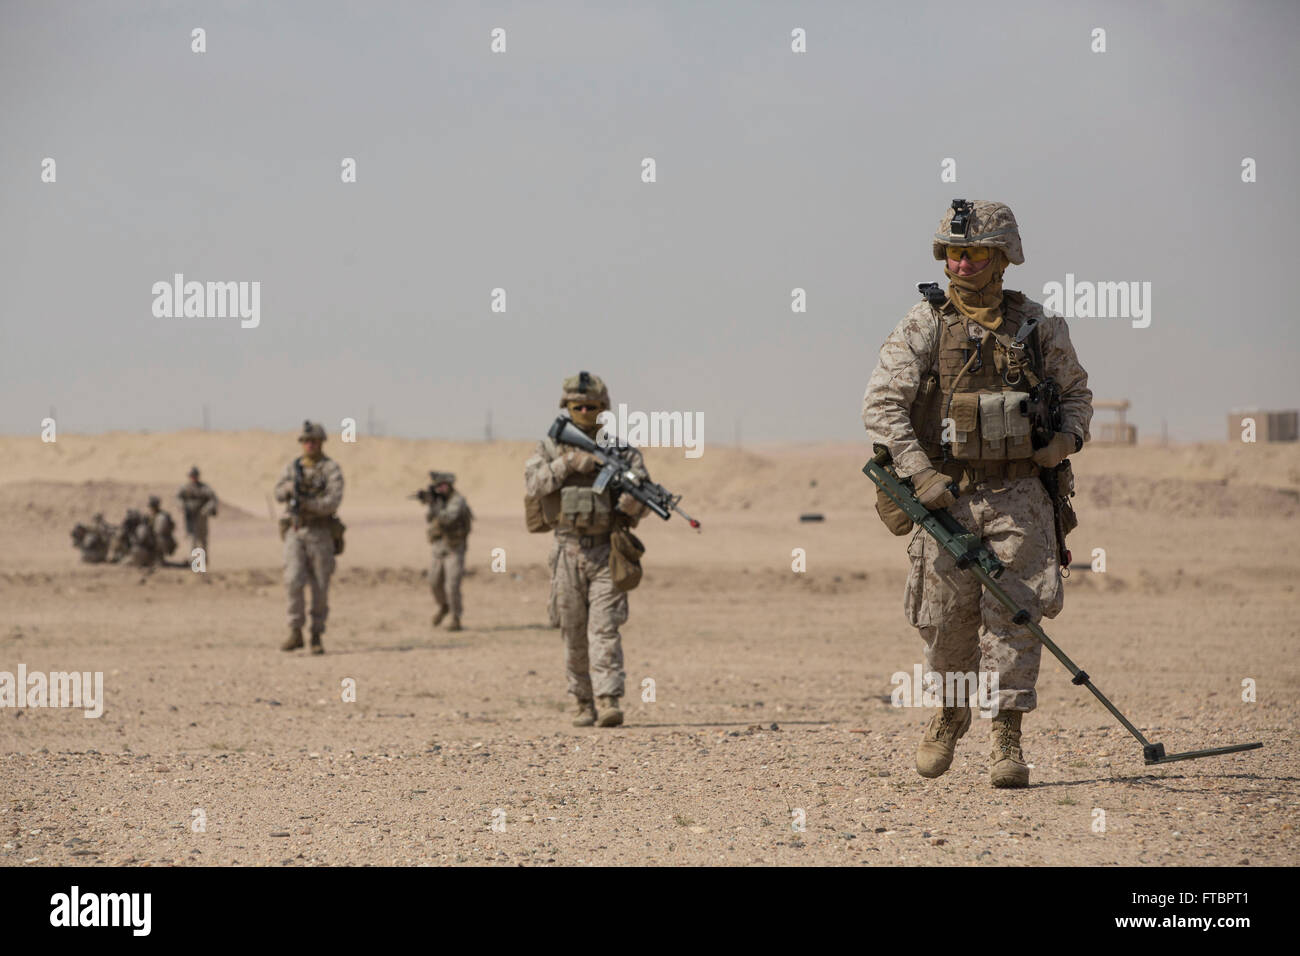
(948, 400)
(591, 609)
(198, 503)
(449, 519)
(311, 488)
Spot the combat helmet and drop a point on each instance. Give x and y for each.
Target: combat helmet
(980, 223)
(584, 386)
(312, 430)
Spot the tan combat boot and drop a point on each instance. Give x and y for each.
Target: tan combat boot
(454, 625)
(586, 714)
(437, 618)
(939, 742)
(295, 640)
(1008, 768)
(608, 713)
(316, 646)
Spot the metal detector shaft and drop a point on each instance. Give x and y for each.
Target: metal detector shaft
(1077, 675)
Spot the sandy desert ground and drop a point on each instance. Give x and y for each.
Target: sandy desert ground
(772, 687)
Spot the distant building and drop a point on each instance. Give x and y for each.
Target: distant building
(1118, 432)
(1269, 426)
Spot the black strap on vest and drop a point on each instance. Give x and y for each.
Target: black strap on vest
(1034, 371)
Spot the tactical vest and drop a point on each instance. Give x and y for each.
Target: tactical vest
(193, 497)
(314, 483)
(575, 508)
(981, 388)
(456, 533)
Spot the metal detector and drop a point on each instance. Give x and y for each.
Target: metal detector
(970, 554)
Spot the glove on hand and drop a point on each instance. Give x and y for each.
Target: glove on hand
(630, 506)
(1057, 450)
(581, 462)
(931, 489)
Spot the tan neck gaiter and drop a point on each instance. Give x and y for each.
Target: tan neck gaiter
(979, 297)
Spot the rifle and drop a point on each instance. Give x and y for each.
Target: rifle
(295, 500)
(1043, 409)
(616, 472)
(971, 554)
(425, 495)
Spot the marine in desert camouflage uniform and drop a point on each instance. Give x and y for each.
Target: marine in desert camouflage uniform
(944, 401)
(163, 527)
(308, 536)
(591, 609)
(448, 520)
(198, 503)
(93, 540)
(134, 541)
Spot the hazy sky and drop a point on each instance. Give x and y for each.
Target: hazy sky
(522, 170)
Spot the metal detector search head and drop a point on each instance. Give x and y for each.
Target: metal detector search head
(1155, 753)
